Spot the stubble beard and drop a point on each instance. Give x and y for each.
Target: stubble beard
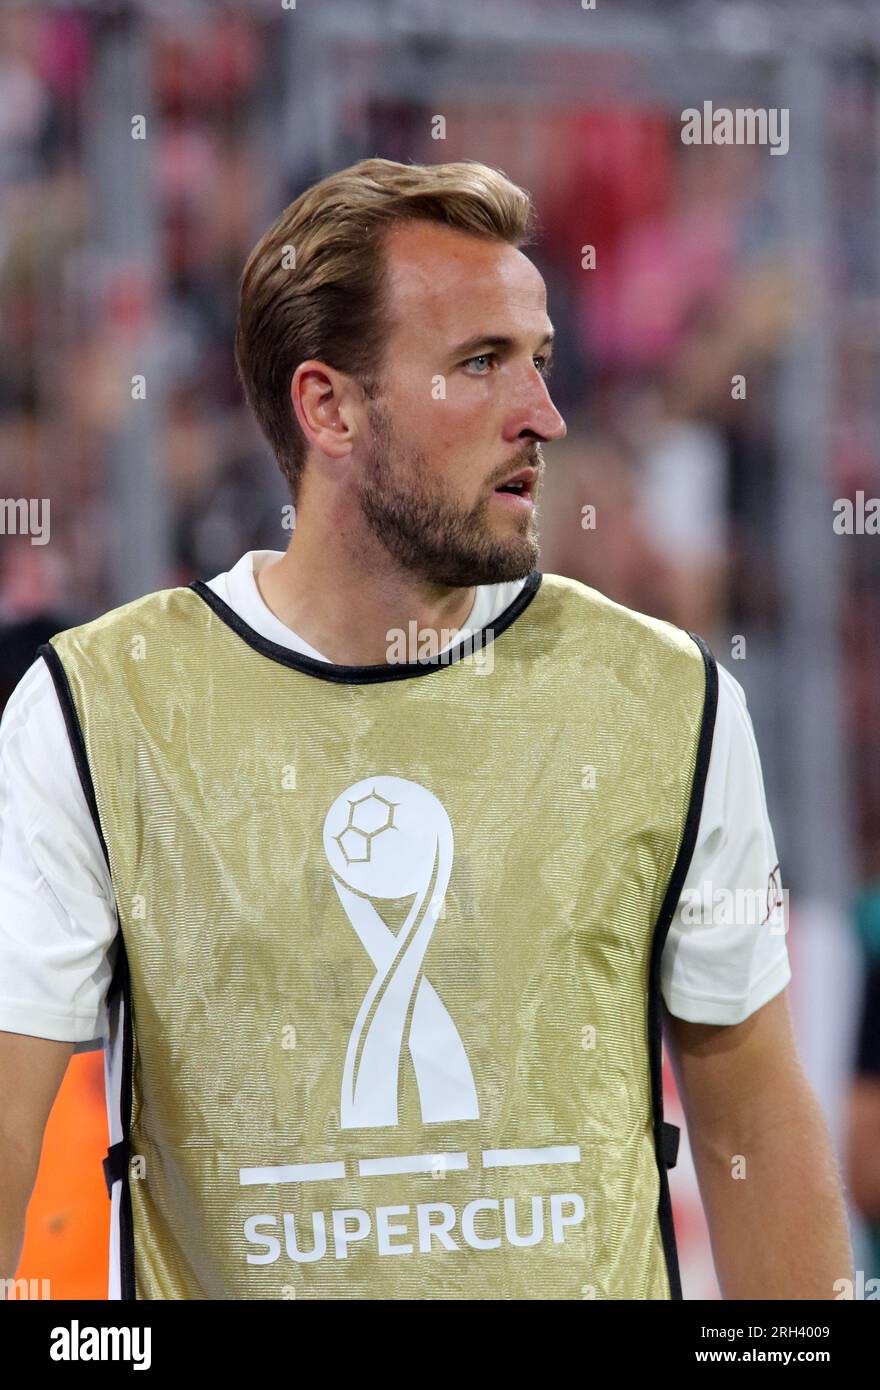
(427, 535)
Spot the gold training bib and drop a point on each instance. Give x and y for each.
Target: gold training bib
(392, 945)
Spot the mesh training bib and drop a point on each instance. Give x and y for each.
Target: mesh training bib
(392, 943)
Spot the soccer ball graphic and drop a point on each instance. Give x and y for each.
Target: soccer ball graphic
(367, 817)
(382, 836)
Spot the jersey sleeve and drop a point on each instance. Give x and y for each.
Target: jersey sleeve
(57, 907)
(725, 954)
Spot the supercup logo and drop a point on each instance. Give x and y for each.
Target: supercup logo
(386, 838)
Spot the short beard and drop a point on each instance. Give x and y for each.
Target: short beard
(427, 537)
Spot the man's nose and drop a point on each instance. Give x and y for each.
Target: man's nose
(544, 419)
(557, 429)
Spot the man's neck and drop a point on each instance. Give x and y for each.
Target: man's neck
(353, 613)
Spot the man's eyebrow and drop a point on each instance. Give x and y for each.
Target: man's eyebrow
(495, 341)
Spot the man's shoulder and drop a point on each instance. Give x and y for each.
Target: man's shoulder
(160, 608)
(577, 604)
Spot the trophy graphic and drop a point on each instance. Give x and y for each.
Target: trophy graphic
(386, 839)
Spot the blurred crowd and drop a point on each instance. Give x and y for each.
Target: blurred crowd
(69, 316)
(688, 289)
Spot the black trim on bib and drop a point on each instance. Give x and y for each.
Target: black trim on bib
(666, 1135)
(120, 980)
(115, 1164)
(127, 1287)
(384, 671)
(74, 733)
(669, 1137)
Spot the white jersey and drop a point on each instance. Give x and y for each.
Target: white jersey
(57, 909)
(57, 906)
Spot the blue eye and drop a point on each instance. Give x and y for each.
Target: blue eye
(481, 357)
(542, 363)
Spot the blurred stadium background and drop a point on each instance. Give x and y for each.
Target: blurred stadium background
(122, 256)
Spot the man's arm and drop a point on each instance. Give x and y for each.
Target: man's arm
(768, 1177)
(31, 1071)
(57, 925)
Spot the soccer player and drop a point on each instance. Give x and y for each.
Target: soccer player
(377, 863)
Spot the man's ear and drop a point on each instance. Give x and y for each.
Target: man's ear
(322, 399)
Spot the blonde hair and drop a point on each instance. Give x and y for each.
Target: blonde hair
(328, 300)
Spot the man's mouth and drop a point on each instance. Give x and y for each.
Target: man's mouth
(519, 487)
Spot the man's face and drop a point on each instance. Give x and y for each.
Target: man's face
(463, 409)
